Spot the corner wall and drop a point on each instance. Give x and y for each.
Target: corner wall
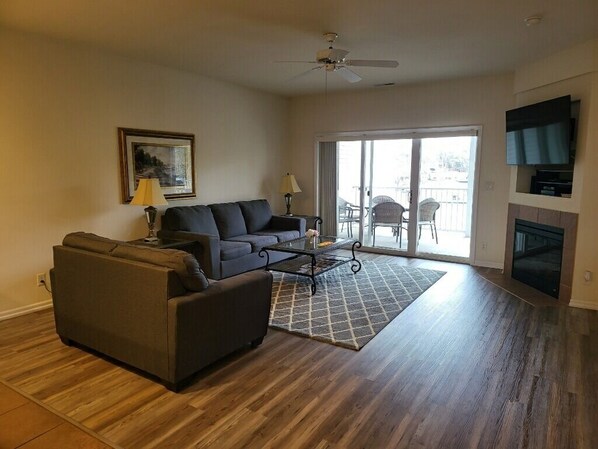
(573, 71)
(60, 107)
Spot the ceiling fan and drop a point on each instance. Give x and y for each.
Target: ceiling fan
(333, 60)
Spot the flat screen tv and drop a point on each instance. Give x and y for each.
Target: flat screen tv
(540, 134)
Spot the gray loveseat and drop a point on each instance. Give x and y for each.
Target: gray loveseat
(152, 308)
(231, 234)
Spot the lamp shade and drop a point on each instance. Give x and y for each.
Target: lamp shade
(289, 184)
(149, 193)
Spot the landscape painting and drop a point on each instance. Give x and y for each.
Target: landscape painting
(155, 154)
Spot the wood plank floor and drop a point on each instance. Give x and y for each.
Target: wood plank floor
(467, 365)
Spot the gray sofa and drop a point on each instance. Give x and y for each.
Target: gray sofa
(154, 309)
(231, 234)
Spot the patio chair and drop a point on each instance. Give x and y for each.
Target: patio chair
(382, 199)
(427, 216)
(347, 214)
(388, 214)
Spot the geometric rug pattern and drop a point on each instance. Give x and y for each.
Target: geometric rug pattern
(348, 309)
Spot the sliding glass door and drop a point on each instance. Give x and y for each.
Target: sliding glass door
(408, 195)
(446, 175)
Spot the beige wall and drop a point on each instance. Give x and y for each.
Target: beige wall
(475, 101)
(575, 72)
(60, 107)
(585, 294)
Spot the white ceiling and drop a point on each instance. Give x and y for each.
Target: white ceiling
(240, 40)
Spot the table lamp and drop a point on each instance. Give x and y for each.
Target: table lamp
(149, 194)
(288, 186)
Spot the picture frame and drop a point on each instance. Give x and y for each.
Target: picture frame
(168, 156)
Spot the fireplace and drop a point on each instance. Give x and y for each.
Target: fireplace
(566, 225)
(537, 256)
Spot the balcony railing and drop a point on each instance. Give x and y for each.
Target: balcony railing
(453, 211)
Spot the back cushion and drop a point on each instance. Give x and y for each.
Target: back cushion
(257, 214)
(90, 242)
(184, 264)
(229, 220)
(190, 218)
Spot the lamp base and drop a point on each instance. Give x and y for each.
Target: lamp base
(150, 215)
(287, 199)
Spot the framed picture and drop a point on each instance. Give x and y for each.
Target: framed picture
(167, 156)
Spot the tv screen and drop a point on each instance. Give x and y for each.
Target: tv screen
(540, 134)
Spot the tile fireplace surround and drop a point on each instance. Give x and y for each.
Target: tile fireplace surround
(565, 220)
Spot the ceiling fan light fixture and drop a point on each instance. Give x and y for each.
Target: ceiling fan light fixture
(331, 55)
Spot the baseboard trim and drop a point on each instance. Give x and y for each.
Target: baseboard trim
(592, 305)
(13, 313)
(487, 264)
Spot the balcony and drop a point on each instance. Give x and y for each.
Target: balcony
(452, 222)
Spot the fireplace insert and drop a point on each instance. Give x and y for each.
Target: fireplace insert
(537, 255)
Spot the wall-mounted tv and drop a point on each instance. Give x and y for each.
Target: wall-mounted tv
(540, 134)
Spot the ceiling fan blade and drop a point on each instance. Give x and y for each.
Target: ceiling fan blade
(298, 62)
(372, 63)
(302, 74)
(348, 74)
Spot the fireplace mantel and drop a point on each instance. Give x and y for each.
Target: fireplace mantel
(565, 220)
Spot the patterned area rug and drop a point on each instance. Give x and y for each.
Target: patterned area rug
(347, 310)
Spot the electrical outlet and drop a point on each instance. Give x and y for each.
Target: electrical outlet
(41, 279)
(484, 246)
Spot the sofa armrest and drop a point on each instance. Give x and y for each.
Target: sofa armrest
(286, 223)
(208, 255)
(207, 325)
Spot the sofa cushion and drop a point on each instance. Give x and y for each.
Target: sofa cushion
(90, 242)
(232, 250)
(257, 214)
(190, 218)
(257, 242)
(185, 265)
(282, 236)
(229, 220)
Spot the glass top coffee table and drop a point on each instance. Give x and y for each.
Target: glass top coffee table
(312, 256)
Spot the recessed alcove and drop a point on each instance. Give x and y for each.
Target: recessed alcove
(524, 178)
(551, 180)
(555, 181)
